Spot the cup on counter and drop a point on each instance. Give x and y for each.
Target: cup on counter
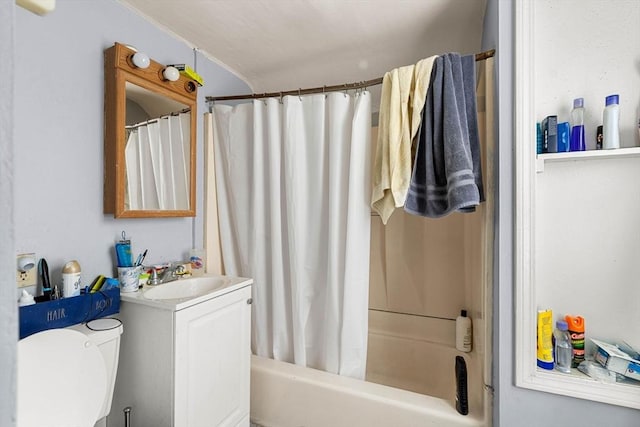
(196, 258)
(128, 277)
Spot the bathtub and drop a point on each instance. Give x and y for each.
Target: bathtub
(287, 395)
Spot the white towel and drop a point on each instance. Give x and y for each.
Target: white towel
(392, 167)
(404, 90)
(422, 76)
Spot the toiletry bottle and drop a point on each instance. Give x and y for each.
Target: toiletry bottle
(463, 332)
(610, 119)
(562, 347)
(71, 279)
(564, 143)
(599, 138)
(549, 127)
(577, 125)
(538, 139)
(26, 299)
(544, 344)
(576, 331)
(462, 393)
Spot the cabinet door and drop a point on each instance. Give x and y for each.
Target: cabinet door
(212, 361)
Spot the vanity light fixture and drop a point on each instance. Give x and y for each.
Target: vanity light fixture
(171, 73)
(140, 60)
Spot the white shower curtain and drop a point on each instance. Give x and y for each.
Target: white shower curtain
(293, 182)
(157, 163)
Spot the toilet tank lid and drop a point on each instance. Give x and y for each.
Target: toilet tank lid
(101, 330)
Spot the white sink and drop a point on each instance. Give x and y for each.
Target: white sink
(184, 288)
(183, 293)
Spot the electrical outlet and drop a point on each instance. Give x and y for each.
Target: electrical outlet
(26, 270)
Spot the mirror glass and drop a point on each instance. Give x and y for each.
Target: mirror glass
(149, 138)
(157, 134)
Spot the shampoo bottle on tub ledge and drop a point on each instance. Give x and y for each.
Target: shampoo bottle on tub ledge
(463, 332)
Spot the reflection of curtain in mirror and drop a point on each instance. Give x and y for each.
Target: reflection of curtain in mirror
(157, 157)
(133, 194)
(180, 131)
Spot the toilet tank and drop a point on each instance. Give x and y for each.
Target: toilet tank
(105, 334)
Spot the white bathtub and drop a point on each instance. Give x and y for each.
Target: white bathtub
(286, 395)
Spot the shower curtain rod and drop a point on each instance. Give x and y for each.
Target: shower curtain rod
(157, 119)
(336, 88)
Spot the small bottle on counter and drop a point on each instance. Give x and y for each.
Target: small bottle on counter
(577, 126)
(562, 347)
(610, 120)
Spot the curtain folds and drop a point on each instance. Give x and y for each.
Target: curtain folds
(157, 163)
(293, 184)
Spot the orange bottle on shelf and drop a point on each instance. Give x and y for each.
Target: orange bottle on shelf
(576, 330)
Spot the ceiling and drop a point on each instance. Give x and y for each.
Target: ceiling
(278, 45)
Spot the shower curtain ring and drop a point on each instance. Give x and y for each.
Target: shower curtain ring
(324, 87)
(299, 97)
(345, 90)
(280, 97)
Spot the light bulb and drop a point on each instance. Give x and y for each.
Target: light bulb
(140, 60)
(171, 73)
(26, 263)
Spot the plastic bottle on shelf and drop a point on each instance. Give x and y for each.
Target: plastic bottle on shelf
(610, 119)
(563, 351)
(576, 332)
(577, 126)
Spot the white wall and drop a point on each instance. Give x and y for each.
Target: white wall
(8, 309)
(51, 147)
(587, 245)
(588, 49)
(515, 406)
(59, 136)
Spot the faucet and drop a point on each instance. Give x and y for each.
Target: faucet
(169, 274)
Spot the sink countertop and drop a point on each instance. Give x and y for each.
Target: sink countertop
(230, 284)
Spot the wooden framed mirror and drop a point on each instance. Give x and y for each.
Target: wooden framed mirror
(149, 139)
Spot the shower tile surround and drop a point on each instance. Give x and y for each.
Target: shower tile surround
(422, 273)
(412, 310)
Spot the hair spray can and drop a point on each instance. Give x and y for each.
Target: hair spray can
(71, 279)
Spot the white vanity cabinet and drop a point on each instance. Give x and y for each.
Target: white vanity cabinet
(185, 365)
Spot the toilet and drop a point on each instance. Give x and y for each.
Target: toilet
(66, 376)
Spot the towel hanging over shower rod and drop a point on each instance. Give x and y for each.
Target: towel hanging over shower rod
(336, 88)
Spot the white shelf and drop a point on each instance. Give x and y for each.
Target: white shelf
(581, 386)
(528, 84)
(542, 159)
